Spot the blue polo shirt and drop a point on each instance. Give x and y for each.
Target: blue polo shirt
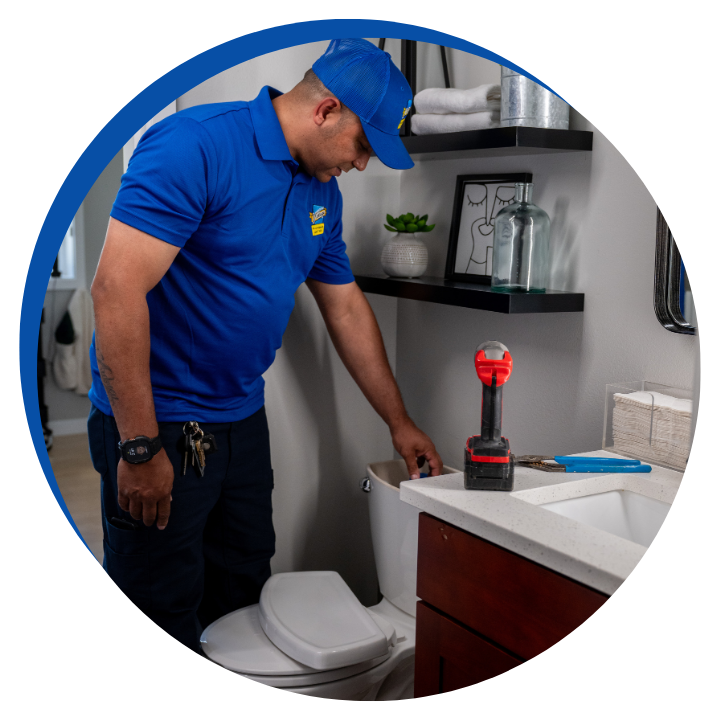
(218, 181)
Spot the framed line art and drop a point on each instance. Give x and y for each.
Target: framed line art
(478, 199)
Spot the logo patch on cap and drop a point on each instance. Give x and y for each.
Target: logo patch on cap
(317, 214)
(405, 112)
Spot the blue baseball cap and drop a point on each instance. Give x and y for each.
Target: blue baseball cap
(365, 79)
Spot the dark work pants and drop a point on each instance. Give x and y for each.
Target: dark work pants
(214, 555)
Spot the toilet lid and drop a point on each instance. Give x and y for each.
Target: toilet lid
(316, 619)
(237, 642)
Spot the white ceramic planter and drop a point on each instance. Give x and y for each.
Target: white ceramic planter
(404, 255)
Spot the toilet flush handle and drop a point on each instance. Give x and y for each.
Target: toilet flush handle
(365, 484)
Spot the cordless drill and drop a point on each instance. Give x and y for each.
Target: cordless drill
(488, 462)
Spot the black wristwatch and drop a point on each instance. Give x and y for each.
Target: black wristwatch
(140, 449)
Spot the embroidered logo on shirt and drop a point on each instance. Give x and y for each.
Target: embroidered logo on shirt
(317, 214)
(405, 112)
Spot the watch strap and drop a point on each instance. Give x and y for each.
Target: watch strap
(155, 445)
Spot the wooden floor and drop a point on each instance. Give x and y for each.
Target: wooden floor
(80, 487)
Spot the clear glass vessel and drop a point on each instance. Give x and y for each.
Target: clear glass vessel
(521, 245)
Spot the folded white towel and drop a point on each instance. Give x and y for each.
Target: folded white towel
(433, 124)
(657, 400)
(653, 427)
(444, 101)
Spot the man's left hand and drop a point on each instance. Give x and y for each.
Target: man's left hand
(414, 446)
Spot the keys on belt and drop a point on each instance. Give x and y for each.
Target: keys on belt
(198, 444)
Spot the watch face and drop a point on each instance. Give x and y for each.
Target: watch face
(137, 451)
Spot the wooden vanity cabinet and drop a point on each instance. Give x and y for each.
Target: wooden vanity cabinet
(483, 609)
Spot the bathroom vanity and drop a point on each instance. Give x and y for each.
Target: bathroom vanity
(504, 576)
(484, 610)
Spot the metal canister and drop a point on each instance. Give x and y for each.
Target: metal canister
(524, 102)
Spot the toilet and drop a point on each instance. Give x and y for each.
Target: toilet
(310, 635)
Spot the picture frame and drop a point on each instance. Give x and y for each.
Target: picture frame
(478, 199)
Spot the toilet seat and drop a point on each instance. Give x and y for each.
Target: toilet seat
(238, 643)
(309, 628)
(316, 619)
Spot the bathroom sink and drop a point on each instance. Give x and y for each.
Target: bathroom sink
(624, 513)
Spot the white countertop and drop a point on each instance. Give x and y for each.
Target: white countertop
(513, 521)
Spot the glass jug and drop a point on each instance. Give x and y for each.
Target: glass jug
(521, 245)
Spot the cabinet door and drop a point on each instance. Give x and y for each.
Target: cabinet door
(448, 656)
(514, 602)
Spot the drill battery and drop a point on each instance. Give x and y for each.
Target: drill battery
(488, 465)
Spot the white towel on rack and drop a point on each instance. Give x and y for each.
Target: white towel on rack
(71, 363)
(434, 124)
(81, 312)
(444, 101)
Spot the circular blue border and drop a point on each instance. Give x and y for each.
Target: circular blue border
(122, 127)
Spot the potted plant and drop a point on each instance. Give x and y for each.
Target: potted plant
(405, 254)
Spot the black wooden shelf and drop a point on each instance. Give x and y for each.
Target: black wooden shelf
(470, 295)
(497, 142)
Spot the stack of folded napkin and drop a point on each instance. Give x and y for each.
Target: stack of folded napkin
(653, 427)
(446, 110)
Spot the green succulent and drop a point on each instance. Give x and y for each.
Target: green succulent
(408, 223)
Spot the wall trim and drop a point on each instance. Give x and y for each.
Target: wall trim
(72, 426)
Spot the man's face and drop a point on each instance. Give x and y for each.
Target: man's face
(337, 148)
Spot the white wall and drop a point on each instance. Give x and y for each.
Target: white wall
(282, 70)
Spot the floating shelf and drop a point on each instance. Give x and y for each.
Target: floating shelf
(497, 142)
(470, 295)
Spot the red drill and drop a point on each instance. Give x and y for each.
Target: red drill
(488, 462)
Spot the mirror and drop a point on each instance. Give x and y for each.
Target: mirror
(674, 306)
(687, 305)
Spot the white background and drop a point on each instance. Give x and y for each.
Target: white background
(645, 77)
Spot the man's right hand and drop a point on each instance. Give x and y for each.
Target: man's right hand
(144, 490)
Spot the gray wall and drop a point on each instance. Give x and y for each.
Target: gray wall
(602, 244)
(96, 207)
(93, 216)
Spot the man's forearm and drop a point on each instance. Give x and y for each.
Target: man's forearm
(131, 264)
(122, 343)
(357, 338)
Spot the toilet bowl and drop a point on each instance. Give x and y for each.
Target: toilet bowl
(310, 635)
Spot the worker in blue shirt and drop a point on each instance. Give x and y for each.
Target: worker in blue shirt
(224, 211)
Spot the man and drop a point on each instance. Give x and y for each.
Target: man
(224, 211)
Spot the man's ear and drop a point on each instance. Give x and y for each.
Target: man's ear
(327, 111)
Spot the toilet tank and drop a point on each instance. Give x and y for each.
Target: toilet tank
(394, 529)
